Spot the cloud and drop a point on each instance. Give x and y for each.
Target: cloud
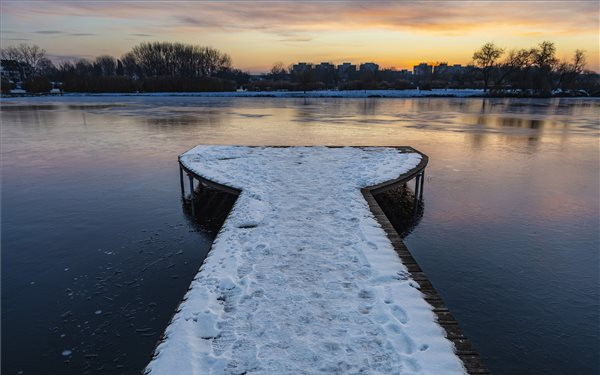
(49, 32)
(294, 37)
(141, 34)
(439, 17)
(61, 32)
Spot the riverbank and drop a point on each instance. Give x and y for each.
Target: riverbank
(290, 94)
(434, 93)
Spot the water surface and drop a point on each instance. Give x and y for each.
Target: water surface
(97, 251)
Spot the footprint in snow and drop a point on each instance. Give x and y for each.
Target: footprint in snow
(400, 314)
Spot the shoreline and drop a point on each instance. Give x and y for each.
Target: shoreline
(358, 94)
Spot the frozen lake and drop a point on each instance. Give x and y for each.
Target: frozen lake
(97, 250)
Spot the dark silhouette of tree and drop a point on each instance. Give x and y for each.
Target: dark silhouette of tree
(83, 67)
(105, 66)
(516, 61)
(46, 68)
(6, 85)
(568, 72)
(37, 84)
(130, 67)
(486, 59)
(119, 70)
(545, 61)
(235, 75)
(167, 59)
(278, 72)
(11, 53)
(28, 55)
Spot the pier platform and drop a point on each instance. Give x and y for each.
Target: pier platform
(306, 275)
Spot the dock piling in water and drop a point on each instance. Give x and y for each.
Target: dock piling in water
(191, 178)
(422, 185)
(181, 181)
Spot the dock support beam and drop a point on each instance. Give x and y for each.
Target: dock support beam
(422, 185)
(191, 178)
(416, 199)
(419, 182)
(181, 181)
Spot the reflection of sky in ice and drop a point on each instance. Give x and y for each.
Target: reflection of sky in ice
(509, 232)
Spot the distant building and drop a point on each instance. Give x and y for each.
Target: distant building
(325, 67)
(456, 69)
(300, 68)
(441, 69)
(14, 71)
(369, 67)
(423, 69)
(346, 71)
(390, 75)
(325, 72)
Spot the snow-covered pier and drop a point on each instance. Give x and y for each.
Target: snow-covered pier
(307, 275)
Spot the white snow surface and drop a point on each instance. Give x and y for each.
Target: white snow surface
(301, 279)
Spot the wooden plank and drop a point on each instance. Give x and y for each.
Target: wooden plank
(462, 346)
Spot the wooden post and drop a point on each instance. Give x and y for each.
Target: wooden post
(181, 181)
(192, 194)
(422, 185)
(416, 201)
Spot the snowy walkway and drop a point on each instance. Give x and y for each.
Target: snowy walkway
(301, 279)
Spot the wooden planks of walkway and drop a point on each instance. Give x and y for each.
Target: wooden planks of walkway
(463, 348)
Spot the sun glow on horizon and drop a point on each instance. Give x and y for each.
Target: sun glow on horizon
(258, 34)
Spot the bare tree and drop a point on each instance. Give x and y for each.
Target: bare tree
(32, 55)
(568, 72)
(11, 53)
(545, 61)
(544, 56)
(486, 59)
(83, 67)
(25, 54)
(46, 68)
(177, 59)
(515, 61)
(278, 71)
(106, 65)
(130, 67)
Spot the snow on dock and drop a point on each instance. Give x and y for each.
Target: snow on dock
(301, 278)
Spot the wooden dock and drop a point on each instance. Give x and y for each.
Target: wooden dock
(462, 346)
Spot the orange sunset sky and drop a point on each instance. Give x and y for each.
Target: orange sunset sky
(257, 34)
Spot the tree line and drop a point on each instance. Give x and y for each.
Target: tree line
(148, 67)
(532, 71)
(168, 67)
(536, 69)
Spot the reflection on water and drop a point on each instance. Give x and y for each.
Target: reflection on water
(90, 203)
(211, 207)
(401, 209)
